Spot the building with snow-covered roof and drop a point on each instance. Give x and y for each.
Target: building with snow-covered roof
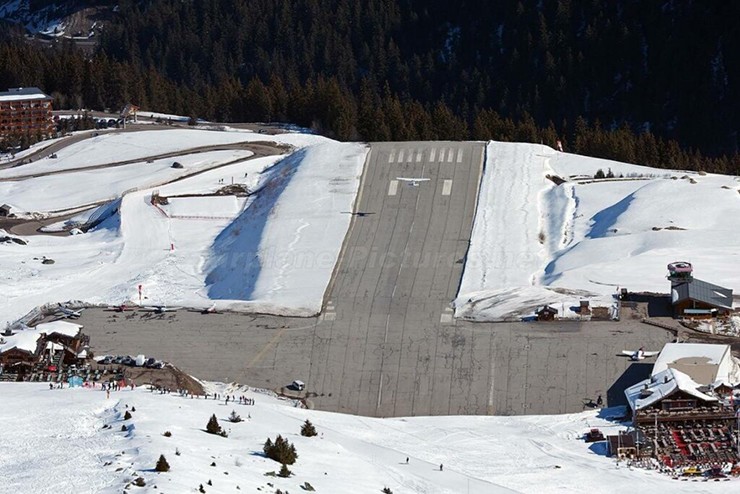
(25, 110)
(666, 391)
(683, 421)
(705, 363)
(60, 341)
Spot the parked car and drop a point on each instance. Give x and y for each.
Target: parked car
(128, 361)
(149, 362)
(297, 385)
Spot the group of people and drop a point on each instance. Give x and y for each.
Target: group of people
(243, 400)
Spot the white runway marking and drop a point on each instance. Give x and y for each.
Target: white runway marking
(432, 155)
(459, 155)
(450, 154)
(392, 156)
(446, 187)
(393, 188)
(419, 154)
(400, 156)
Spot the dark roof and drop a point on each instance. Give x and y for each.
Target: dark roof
(702, 291)
(5, 206)
(546, 308)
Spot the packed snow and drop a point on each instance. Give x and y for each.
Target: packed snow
(74, 437)
(536, 243)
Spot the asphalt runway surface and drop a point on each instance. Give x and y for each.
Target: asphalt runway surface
(386, 343)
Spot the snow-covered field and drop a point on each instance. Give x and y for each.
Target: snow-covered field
(273, 251)
(124, 146)
(63, 447)
(538, 243)
(49, 194)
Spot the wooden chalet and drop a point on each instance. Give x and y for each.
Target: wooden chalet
(546, 313)
(683, 422)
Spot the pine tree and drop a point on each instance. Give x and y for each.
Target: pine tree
(307, 429)
(281, 451)
(234, 417)
(213, 427)
(162, 465)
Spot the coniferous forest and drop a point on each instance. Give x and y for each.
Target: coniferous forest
(655, 83)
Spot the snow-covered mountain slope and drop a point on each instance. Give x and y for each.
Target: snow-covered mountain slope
(273, 251)
(62, 446)
(535, 242)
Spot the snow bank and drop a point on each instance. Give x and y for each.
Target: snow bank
(535, 242)
(280, 253)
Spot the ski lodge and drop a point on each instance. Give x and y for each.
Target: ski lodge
(54, 343)
(685, 411)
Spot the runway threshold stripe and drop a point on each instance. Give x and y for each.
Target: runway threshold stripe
(393, 188)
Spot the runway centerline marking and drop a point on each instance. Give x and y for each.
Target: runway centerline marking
(446, 187)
